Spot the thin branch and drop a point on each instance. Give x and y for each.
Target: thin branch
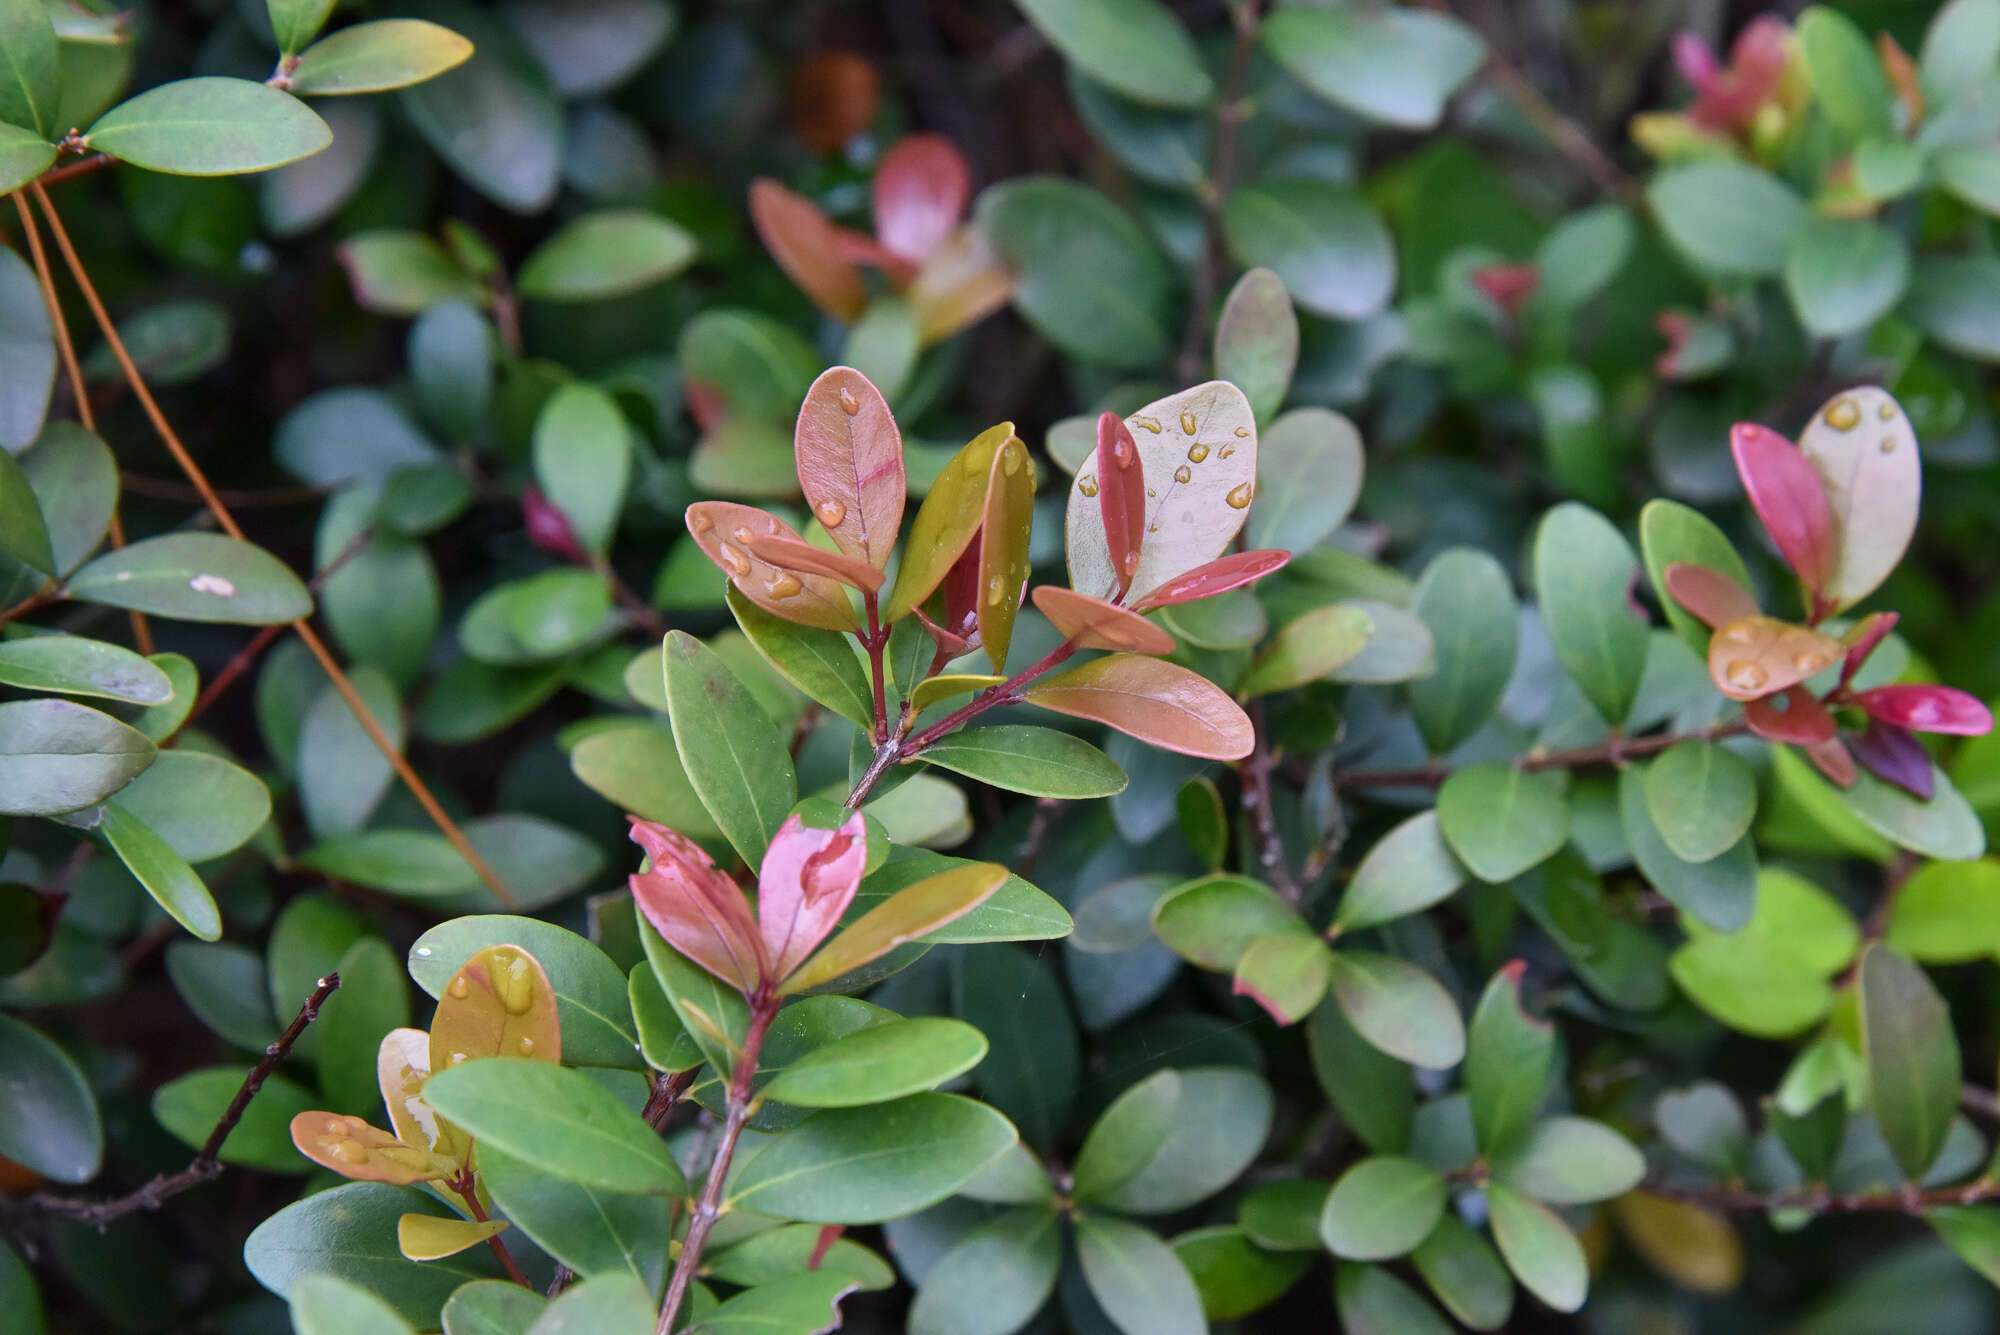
(638, 611)
(418, 789)
(161, 489)
(1230, 113)
(1817, 1200)
(669, 1087)
(1257, 789)
(95, 163)
(465, 1187)
(1613, 751)
(208, 1163)
(1040, 826)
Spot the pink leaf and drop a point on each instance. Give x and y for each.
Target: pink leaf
(1894, 756)
(697, 909)
(921, 188)
(1928, 709)
(1803, 722)
(1121, 496)
(1220, 576)
(808, 879)
(1789, 499)
(1508, 286)
(1862, 639)
(1710, 596)
(796, 554)
(804, 242)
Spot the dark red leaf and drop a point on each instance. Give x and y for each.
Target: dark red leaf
(921, 188)
(1803, 721)
(1710, 596)
(1508, 286)
(1862, 639)
(1894, 756)
(961, 593)
(1121, 496)
(1789, 499)
(1928, 709)
(548, 526)
(1218, 576)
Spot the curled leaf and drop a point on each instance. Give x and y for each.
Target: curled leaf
(1864, 451)
(1092, 623)
(1157, 702)
(921, 188)
(947, 521)
(1927, 709)
(1003, 548)
(430, 1237)
(1804, 721)
(402, 1064)
(1789, 498)
(904, 916)
(1121, 496)
(354, 1149)
(723, 529)
(1760, 655)
(1220, 576)
(696, 907)
(801, 557)
(805, 243)
(807, 880)
(850, 457)
(1709, 595)
(498, 1004)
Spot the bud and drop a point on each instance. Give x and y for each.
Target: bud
(548, 527)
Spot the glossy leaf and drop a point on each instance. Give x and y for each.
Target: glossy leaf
(556, 1119)
(1321, 642)
(1381, 1208)
(195, 577)
(191, 1105)
(1466, 599)
(1038, 761)
(1501, 821)
(1584, 575)
(1136, 1278)
(165, 874)
(920, 190)
(1760, 655)
(378, 56)
(993, 1279)
(947, 522)
(1727, 217)
(1718, 891)
(50, 1124)
(1285, 972)
(1510, 1057)
(1843, 274)
(1571, 1161)
(1864, 451)
(24, 156)
(1093, 623)
(71, 665)
(880, 1063)
(494, 119)
(1216, 577)
(722, 529)
(850, 459)
(910, 913)
(1912, 1056)
(1127, 1136)
(498, 1004)
(589, 989)
(1312, 459)
(1702, 799)
(1406, 871)
(800, 557)
(820, 663)
(423, 1237)
(1398, 1007)
(1395, 66)
(1003, 548)
(583, 458)
(209, 127)
(1213, 920)
(1539, 1248)
(1466, 1275)
(61, 756)
(284, 1248)
(325, 1304)
(1325, 241)
(731, 750)
(1154, 701)
(1121, 499)
(354, 1149)
(31, 86)
(1791, 500)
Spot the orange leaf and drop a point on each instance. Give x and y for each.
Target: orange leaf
(354, 1149)
(498, 1004)
(1003, 547)
(834, 94)
(1759, 655)
(1121, 496)
(1205, 581)
(723, 529)
(802, 240)
(921, 188)
(1709, 596)
(1093, 623)
(850, 458)
(961, 283)
(795, 554)
(1155, 701)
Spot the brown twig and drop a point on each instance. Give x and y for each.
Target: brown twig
(418, 788)
(668, 1089)
(1612, 752)
(1817, 1200)
(207, 1163)
(1257, 788)
(95, 163)
(1040, 826)
(1229, 116)
(161, 489)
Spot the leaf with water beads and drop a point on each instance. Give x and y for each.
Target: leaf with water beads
(1092, 623)
(354, 1149)
(804, 558)
(1003, 547)
(850, 460)
(723, 529)
(1759, 655)
(498, 1004)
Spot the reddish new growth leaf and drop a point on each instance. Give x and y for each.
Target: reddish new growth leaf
(805, 243)
(850, 461)
(1832, 759)
(1092, 623)
(1892, 755)
(1760, 655)
(961, 593)
(696, 907)
(1927, 709)
(1709, 596)
(1791, 501)
(1862, 639)
(548, 527)
(1804, 721)
(1728, 98)
(807, 880)
(1121, 495)
(1218, 576)
(794, 554)
(921, 187)
(1508, 286)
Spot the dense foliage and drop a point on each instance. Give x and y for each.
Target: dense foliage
(1069, 665)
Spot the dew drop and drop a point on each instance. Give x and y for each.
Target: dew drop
(1187, 423)
(1888, 445)
(1147, 424)
(1087, 485)
(1010, 460)
(1227, 450)
(517, 988)
(699, 524)
(525, 1044)
(1129, 562)
(1183, 474)
(735, 562)
(1243, 433)
(1745, 675)
(1239, 496)
(1807, 661)
(460, 988)
(353, 1125)
(1843, 414)
(784, 584)
(1887, 412)
(331, 1144)
(214, 584)
(457, 1057)
(1197, 452)
(995, 591)
(423, 952)
(830, 513)
(1151, 492)
(351, 1151)
(848, 403)
(1122, 453)
(1152, 528)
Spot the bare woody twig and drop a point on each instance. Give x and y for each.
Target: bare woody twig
(1257, 788)
(207, 1163)
(1612, 752)
(1817, 1200)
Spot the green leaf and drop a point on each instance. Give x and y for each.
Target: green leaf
(30, 72)
(802, 1303)
(1584, 574)
(195, 577)
(1396, 66)
(1381, 1208)
(1847, 80)
(1372, 1091)
(821, 663)
(340, 436)
(1946, 827)
(373, 999)
(1671, 532)
(993, 1279)
(1023, 759)
(191, 1105)
(71, 665)
(1137, 47)
(1581, 255)
(1571, 1161)
(493, 119)
(1539, 1248)
(328, 1305)
(379, 56)
(760, 366)
(296, 22)
(1256, 349)
(1406, 871)
(1285, 972)
(1016, 911)
(1465, 1274)
(1325, 241)
(1212, 921)
(27, 341)
(1466, 599)
(451, 362)
(60, 756)
(1136, 1278)
(393, 272)
(1912, 1056)
(1973, 1232)
(1234, 1275)
(343, 776)
(23, 534)
(203, 805)
(1720, 892)
(611, 1304)
(1501, 821)
(209, 127)
(1087, 278)
(778, 1253)
(1031, 1074)
(1309, 468)
(165, 873)
(1843, 274)
(1951, 299)
(882, 1062)
(1399, 648)
(23, 156)
(1322, 641)
(1399, 1008)
(225, 986)
(732, 752)
(1728, 218)
(864, 1165)
(1769, 978)
(633, 765)
(1127, 1136)
(292, 1244)
(914, 912)
(1509, 1057)
(1371, 1301)
(1702, 798)
(48, 1117)
(604, 254)
(1948, 912)
(583, 458)
(590, 991)
(664, 1039)
(492, 1307)
(1283, 1214)
(558, 1120)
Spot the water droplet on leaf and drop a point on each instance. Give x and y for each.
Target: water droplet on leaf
(460, 988)
(699, 524)
(1239, 496)
(1843, 414)
(1187, 423)
(848, 403)
(783, 585)
(1087, 485)
(735, 562)
(1183, 474)
(1197, 452)
(1745, 675)
(830, 513)
(995, 591)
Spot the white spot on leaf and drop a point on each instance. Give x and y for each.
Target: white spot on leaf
(214, 584)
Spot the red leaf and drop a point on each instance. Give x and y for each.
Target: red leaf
(1789, 499)
(697, 908)
(1092, 623)
(796, 554)
(1862, 639)
(1155, 701)
(1219, 576)
(1508, 286)
(1121, 495)
(1928, 709)
(850, 458)
(807, 880)
(1894, 756)
(548, 526)
(1803, 722)
(1709, 595)
(921, 188)
(1832, 759)
(804, 243)
(961, 592)
(706, 404)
